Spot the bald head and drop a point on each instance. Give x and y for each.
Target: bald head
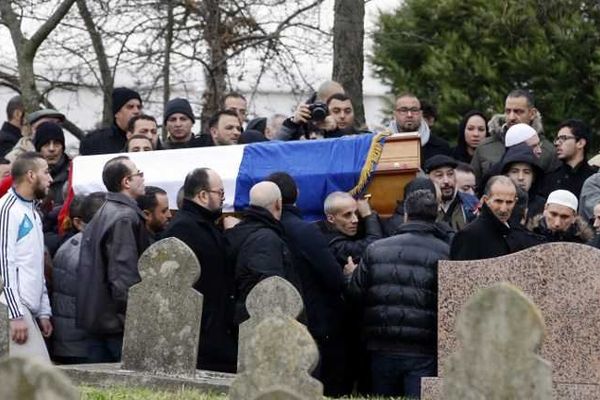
(267, 195)
(328, 89)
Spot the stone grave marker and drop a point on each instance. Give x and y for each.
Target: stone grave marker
(563, 280)
(280, 356)
(31, 379)
(162, 329)
(4, 326)
(273, 296)
(499, 331)
(277, 394)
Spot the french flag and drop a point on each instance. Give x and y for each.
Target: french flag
(319, 167)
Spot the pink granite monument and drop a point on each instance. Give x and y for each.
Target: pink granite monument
(563, 280)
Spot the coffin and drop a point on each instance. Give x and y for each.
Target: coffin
(318, 166)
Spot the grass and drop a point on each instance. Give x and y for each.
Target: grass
(121, 393)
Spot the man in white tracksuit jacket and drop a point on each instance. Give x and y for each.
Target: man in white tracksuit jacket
(22, 257)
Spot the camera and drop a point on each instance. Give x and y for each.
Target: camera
(318, 111)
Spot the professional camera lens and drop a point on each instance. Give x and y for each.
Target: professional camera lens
(318, 111)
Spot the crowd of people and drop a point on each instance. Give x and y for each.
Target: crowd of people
(369, 283)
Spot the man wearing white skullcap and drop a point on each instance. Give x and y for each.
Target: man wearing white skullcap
(560, 222)
(523, 133)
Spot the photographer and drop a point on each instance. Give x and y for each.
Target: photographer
(318, 120)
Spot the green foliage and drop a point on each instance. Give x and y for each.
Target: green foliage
(468, 54)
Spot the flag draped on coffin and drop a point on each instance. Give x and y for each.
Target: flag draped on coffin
(319, 167)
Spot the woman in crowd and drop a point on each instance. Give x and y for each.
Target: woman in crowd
(471, 132)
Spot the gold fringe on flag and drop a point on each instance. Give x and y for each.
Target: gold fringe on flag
(371, 162)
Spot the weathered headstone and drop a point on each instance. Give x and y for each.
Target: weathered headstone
(273, 296)
(30, 379)
(281, 354)
(277, 394)
(4, 326)
(563, 279)
(162, 329)
(499, 330)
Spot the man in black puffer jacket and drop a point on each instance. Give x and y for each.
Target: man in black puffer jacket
(397, 278)
(256, 246)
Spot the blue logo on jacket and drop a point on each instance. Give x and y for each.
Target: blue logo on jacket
(25, 227)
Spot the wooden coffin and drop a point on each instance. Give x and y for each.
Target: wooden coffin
(399, 163)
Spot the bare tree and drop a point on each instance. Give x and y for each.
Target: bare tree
(233, 30)
(348, 54)
(106, 75)
(26, 48)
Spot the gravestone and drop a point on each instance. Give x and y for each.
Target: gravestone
(162, 328)
(31, 379)
(281, 354)
(563, 280)
(277, 394)
(273, 296)
(499, 330)
(4, 326)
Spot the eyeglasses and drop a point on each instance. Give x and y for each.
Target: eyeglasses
(220, 192)
(405, 110)
(138, 173)
(563, 138)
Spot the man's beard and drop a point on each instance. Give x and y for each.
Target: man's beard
(39, 192)
(447, 197)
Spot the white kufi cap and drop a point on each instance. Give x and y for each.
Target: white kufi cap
(518, 133)
(563, 198)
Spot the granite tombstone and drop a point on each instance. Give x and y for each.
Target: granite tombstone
(31, 379)
(499, 331)
(273, 296)
(162, 329)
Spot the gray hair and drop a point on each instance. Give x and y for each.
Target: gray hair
(331, 201)
(501, 179)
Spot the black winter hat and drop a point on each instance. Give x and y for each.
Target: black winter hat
(122, 95)
(178, 105)
(46, 132)
(439, 161)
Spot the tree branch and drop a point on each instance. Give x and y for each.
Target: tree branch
(51, 23)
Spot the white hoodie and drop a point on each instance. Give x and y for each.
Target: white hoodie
(22, 257)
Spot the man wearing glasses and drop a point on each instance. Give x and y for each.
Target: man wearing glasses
(110, 248)
(408, 117)
(196, 225)
(571, 143)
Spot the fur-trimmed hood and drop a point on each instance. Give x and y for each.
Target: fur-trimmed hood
(497, 125)
(579, 232)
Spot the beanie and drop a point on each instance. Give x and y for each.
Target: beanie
(563, 198)
(46, 132)
(178, 105)
(518, 133)
(121, 95)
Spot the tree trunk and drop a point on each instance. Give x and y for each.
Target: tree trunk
(348, 53)
(106, 77)
(216, 73)
(29, 93)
